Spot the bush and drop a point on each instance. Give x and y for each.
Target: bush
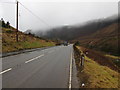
(9, 31)
(77, 43)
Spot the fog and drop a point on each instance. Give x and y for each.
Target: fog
(50, 14)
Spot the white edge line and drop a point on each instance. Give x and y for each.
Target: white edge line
(70, 76)
(34, 58)
(5, 70)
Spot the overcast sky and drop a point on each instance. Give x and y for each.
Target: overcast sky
(56, 12)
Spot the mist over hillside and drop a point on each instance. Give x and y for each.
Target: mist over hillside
(69, 32)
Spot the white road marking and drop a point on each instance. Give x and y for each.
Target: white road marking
(5, 70)
(70, 78)
(34, 58)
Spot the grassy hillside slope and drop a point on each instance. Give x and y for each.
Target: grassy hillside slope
(100, 76)
(25, 41)
(96, 74)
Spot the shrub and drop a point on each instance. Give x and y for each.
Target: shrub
(9, 31)
(77, 43)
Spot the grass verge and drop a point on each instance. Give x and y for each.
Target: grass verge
(95, 75)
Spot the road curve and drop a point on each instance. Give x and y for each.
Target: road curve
(49, 68)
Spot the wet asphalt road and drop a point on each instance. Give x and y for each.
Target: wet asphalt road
(47, 68)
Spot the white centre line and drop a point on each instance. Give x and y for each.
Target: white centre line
(34, 58)
(5, 70)
(70, 78)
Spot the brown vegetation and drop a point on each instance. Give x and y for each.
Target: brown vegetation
(105, 39)
(94, 74)
(100, 58)
(26, 41)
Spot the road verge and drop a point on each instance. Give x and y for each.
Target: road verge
(22, 51)
(93, 74)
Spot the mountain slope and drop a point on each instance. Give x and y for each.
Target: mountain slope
(105, 39)
(73, 32)
(26, 41)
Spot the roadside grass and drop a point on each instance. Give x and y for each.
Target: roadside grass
(95, 75)
(35, 44)
(100, 76)
(111, 56)
(115, 59)
(100, 58)
(25, 41)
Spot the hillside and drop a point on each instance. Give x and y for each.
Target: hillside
(26, 41)
(71, 32)
(98, 70)
(105, 39)
(101, 34)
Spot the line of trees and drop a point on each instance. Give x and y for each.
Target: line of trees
(5, 25)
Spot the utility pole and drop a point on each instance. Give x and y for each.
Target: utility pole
(17, 22)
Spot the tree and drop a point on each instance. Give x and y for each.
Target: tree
(77, 43)
(7, 24)
(3, 23)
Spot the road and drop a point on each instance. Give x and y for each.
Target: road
(49, 68)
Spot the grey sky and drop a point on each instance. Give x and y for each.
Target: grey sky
(56, 13)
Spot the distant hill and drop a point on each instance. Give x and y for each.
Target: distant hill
(105, 39)
(73, 32)
(101, 34)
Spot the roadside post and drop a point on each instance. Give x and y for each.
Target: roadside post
(82, 60)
